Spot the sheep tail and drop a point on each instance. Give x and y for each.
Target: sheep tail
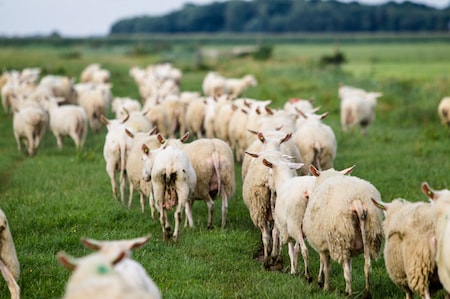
(79, 130)
(317, 152)
(216, 162)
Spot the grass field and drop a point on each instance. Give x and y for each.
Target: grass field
(57, 197)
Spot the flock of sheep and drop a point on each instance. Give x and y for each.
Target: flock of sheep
(290, 187)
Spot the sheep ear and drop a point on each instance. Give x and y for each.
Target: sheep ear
(267, 163)
(68, 262)
(91, 244)
(129, 133)
(104, 120)
(253, 132)
(347, 170)
(119, 257)
(145, 149)
(426, 189)
(301, 113)
(252, 154)
(161, 138)
(153, 131)
(379, 204)
(185, 137)
(314, 171)
(286, 138)
(139, 242)
(323, 116)
(295, 165)
(261, 137)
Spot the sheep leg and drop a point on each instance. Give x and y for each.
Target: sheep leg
(210, 204)
(76, 139)
(293, 254)
(347, 265)
(130, 197)
(177, 216)
(110, 169)
(275, 242)
(59, 141)
(224, 208)
(325, 270)
(266, 241)
(123, 184)
(19, 146)
(142, 201)
(188, 211)
(13, 287)
(304, 250)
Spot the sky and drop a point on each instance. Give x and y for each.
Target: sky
(85, 18)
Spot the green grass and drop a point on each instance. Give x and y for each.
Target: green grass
(57, 197)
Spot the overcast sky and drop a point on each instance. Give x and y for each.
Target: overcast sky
(80, 18)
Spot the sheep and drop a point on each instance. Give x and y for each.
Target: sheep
(68, 120)
(295, 104)
(440, 200)
(60, 86)
(173, 180)
(95, 100)
(129, 269)
(409, 252)
(94, 276)
(316, 141)
(213, 163)
(357, 107)
(94, 73)
(134, 167)
(259, 200)
(30, 124)
(128, 103)
(9, 264)
(341, 222)
(195, 115)
(117, 145)
(236, 86)
(213, 84)
(444, 111)
(292, 197)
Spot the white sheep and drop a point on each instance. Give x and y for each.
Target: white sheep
(195, 115)
(94, 276)
(213, 84)
(440, 208)
(316, 141)
(444, 111)
(9, 264)
(235, 87)
(60, 86)
(130, 270)
(213, 162)
(409, 253)
(86, 73)
(292, 197)
(134, 167)
(260, 201)
(357, 108)
(95, 100)
(341, 222)
(67, 120)
(29, 124)
(118, 103)
(115, 151)
(173, 180)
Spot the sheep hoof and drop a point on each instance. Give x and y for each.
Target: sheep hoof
(367, 295)
(308, 278)
(273, 263)
(210, 226)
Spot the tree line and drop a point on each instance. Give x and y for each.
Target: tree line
(278, 16)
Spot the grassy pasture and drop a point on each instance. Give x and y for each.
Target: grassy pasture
(57, 197)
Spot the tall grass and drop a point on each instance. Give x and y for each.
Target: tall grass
(58, 196)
